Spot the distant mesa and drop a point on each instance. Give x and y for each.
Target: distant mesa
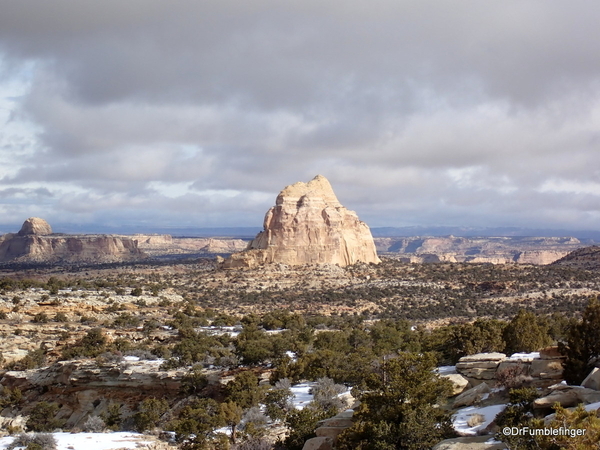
(308, 225)
(35, 243)
(488, 249)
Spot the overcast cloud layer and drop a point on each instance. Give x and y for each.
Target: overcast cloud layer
(187, 113)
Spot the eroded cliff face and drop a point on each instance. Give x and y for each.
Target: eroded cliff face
(495, 250)
(86, 387)
(308, 225)
(36, 243)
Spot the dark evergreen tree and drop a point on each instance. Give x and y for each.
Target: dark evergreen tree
(397, 409)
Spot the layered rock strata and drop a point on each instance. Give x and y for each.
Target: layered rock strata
(308, 225)
(84, 387)
(495, 250)
(543, 370)
(35, 242)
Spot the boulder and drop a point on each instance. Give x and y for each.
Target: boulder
(308, 225)
(472, 396)
(592, 381)
(567, 396)
(547, 368)
(459, 383)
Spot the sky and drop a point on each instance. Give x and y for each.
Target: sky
(183, 113)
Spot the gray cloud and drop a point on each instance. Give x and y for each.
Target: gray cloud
(419, 113)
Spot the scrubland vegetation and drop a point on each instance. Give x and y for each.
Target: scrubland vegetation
(379, 330)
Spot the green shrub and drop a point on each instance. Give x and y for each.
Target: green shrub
(91, 345)
(60, 317)
(526, 333)
(42, 417)
(149, 413)
(583, 344)
(112, 416)
(41, 318)
(398, 407)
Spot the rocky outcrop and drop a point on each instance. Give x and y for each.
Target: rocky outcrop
(328, 431)
(567, 396)
(481, 366)
(542, 370)
(36, 226)
(308, 225)
(459, 383)
(539, 257)
(85, 387)
(495, 250)
(472, 396)
(36, 243)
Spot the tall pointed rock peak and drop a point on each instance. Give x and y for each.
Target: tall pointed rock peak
(308, 225)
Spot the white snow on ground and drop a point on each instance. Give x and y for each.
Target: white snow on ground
(302, 395)
(92, 441)
(524, 356)
(592, 406)
(446, 370)
(219, 331)
(461, 417)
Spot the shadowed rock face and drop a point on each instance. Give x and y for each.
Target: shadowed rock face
(308, 225)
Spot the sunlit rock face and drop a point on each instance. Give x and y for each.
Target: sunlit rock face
(35, 242)
(308, 225)
(35, 226)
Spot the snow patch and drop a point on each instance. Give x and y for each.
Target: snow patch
(462, 416)
(446, 370)
(524, 356)
(93, 441)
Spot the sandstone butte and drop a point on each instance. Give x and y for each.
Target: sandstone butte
(35, 242)
(308, 225)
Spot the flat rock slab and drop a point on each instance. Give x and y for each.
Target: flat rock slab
(472, 396)
(483, 357)
(459, 383)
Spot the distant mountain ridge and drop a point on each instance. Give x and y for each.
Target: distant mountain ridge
(586, 236)
(583, 235)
